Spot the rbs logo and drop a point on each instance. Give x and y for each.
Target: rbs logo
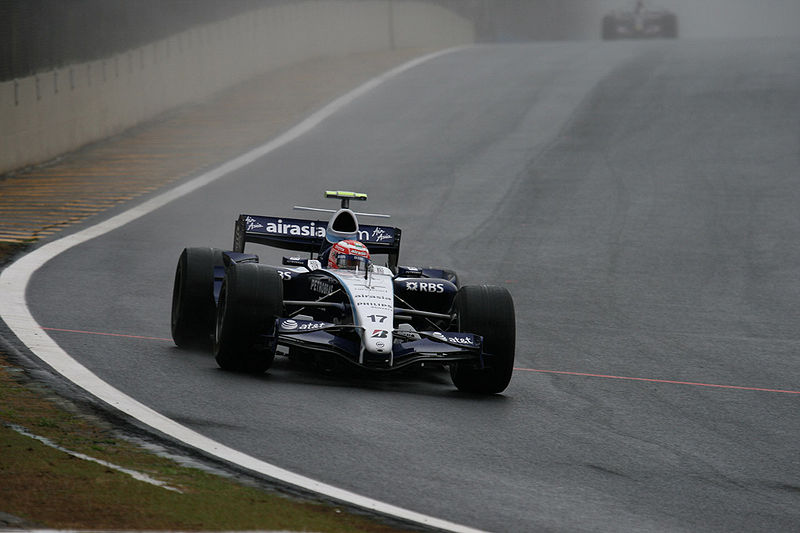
(421, 286)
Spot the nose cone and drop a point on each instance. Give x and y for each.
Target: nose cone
(377, 341)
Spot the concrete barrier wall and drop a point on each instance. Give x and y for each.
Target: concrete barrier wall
(418, 23)
(54, 112)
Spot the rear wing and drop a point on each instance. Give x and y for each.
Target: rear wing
(302, 235)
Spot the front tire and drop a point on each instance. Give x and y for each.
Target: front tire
(486, 310)
(249, 302)
(193, 304)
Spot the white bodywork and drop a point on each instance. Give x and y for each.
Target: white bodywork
(372, 295)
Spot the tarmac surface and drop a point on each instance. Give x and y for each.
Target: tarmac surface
(639, 200)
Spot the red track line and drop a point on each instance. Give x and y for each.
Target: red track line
(108, 334)
(657, 380)
(672, 382)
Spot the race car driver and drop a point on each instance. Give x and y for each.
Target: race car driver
(348, 254)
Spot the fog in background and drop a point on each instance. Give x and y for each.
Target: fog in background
(727, 18)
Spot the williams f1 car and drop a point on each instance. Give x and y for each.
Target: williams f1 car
(640, 22)
(336, 304)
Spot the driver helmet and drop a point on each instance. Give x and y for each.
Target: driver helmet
(349, 254)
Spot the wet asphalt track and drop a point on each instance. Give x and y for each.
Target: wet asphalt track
(640, 202)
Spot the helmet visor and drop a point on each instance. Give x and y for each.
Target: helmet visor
(351, 262)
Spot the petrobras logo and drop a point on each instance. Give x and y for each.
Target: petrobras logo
(462, 339)
(322, 286)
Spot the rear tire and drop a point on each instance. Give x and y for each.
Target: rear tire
(486, 310)
(249, 302)
(193, 305)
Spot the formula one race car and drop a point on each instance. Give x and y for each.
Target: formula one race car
(640, 22)
(337, 305)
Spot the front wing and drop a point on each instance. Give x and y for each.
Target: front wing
(421, 347)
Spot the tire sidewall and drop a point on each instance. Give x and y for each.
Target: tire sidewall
(250, 300)
(193, 304)
(486, 310)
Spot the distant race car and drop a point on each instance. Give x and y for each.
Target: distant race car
(640, 22)
(337, 305)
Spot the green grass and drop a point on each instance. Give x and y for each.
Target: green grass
(49, 488)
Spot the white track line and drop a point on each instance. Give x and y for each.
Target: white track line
(16, 314)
